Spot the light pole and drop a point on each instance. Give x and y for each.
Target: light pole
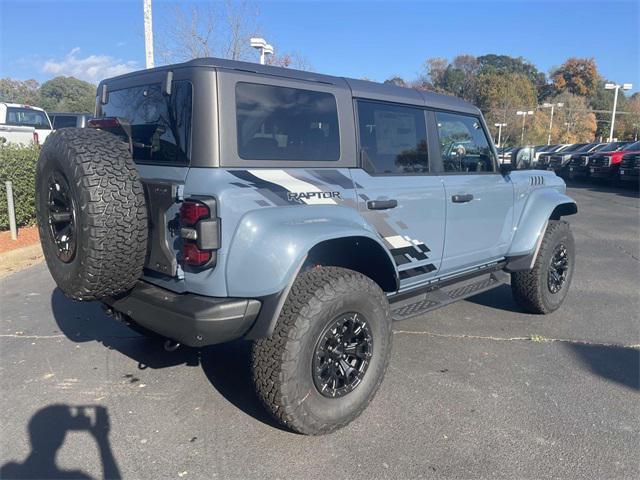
(524, 114)
(148, 34)
(552, 106)
(500, 125)
(616, 87)
(262, 45)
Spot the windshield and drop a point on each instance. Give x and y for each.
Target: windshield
(586, 148)
(632, 148)
(574, 148)
(26, 117)
(608, 147)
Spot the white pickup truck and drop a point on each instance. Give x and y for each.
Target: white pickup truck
(23, 124)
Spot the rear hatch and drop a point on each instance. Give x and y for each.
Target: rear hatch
(157, 126)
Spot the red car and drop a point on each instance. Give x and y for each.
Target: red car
(607, 164)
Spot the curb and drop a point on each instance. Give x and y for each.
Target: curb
(15, 260)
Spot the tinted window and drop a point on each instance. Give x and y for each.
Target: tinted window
(632, 147)
(463, 144)
(25, 117)
(393, 139)
(63, 121)
(160, 124)
(281, 123)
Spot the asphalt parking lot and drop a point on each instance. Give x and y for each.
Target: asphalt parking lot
(477, 389)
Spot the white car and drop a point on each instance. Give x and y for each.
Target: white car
(23, 124)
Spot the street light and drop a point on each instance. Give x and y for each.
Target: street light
(552, 106)
(500, 125)
(524, 114)
(616, 87)
(262, 45)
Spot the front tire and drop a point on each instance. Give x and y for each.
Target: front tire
(543, 288)
(327, 357)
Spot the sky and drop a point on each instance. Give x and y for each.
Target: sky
(95, 39)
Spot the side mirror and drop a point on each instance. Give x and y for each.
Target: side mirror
(506, 168)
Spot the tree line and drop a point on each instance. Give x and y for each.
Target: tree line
(60, 94)
(501, 85)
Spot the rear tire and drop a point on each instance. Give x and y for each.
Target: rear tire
(294, 370)
(91, 213)
(543, 288)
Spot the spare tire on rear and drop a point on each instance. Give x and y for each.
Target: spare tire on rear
(91, 212)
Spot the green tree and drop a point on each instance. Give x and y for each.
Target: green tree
(68, 94)
(398, 81)
(456, 78)
(19, 91)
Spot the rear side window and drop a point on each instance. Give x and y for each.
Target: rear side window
(26, 117)
(160, 124)
(393, 138)
(463, 144)
(282, 123)
(64, 121)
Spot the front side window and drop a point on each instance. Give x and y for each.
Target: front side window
(282, 123)
(393, 138)
(463, 144)
(26, 117)
(160, 124)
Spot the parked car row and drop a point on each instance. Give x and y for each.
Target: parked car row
(611, 161)
(25, 124)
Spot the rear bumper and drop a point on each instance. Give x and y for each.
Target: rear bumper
(192, 320)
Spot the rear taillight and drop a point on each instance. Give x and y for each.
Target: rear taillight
(193, 256)
(36, 139)
(200, 232)
(191, 212)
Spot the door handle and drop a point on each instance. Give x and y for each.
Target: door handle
(381, 204)
(462, 198)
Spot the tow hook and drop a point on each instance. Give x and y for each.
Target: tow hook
(171, 345)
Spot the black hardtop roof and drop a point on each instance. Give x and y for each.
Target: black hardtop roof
(359, 88)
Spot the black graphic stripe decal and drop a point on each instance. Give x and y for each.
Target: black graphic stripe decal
(414, 272)
(275, 193)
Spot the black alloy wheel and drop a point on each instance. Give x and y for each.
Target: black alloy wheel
(558, 269)
(342, 355)
(61, 216)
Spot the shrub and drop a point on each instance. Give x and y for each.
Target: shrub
(18, 165)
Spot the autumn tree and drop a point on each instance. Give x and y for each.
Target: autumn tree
(455, 78)
(628, 123)
(499, 96)
(578, 76)
(19, 91)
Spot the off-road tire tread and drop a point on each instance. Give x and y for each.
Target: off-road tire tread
(274, 358)
(526, 286)
(113, 245)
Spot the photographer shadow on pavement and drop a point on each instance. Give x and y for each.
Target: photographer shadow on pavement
(47, 432)
(226, 366)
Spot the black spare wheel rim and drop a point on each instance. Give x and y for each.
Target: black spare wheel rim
(61, 216)
(342, 355)
(558, 269)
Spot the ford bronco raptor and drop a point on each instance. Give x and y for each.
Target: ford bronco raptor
(217, 200)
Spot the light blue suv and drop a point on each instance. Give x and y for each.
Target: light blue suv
(216, 200)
